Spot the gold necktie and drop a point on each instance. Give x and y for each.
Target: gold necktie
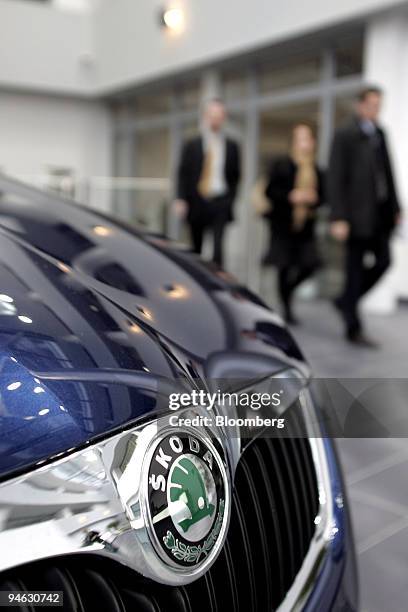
(204, 184)
(306, 178)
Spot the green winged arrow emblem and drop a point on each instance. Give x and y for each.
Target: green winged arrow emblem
(187, 484)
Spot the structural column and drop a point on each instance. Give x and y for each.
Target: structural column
(124, 199)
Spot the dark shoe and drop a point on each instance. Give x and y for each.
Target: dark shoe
(360, 340)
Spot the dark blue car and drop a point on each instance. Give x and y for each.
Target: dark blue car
(116, 493)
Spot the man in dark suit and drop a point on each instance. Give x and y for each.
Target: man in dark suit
(364, 206)
(208, 178)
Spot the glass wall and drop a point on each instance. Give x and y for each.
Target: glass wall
(188, 95)
(234, 85)
(292, 72)
(349, 57)
(276, 125)
(152, 104)
(152, 161)
(265, 97)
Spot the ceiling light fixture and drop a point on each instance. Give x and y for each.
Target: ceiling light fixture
(172, 18)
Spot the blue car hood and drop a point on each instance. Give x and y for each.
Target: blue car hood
(93, 315)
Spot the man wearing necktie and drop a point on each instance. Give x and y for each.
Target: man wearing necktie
(208, 178)
(364, 206)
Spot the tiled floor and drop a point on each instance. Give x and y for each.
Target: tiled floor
(376, 470)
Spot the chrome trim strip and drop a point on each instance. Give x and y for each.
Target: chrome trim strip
(312, 564)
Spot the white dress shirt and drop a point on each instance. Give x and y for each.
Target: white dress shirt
(216, 142)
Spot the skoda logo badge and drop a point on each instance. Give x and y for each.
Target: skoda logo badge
(186, 501)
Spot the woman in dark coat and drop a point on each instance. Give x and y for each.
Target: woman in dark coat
(295, 189)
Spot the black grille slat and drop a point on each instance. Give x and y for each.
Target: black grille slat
(179, 601)
(301, 488)
(272, 531)
(287, 467)
(282, 502)
(224, 579)
(185, 607)
(258, 543)
(308, 474)
(239, 540)
(91, 582)
(310, 480)
(202, 590)
(56, 576)
(55, 579)
(14, 585)
(274, 505)
(140, 602)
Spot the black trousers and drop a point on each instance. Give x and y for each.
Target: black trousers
(360, 278)
(289, 278)
(297, 258)
(213, 215)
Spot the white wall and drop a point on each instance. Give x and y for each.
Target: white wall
(130, 47)
(386, 61)
(46, 49)
(120, 43)
(38, 131)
